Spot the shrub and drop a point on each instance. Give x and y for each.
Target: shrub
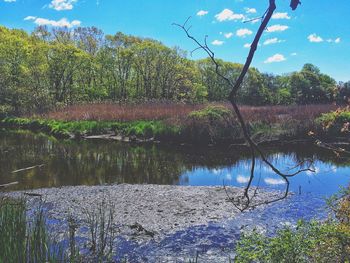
(336, 122)
(313, 241)
(213, 124)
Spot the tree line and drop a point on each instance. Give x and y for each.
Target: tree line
(61, 66)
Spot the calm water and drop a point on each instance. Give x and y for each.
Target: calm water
(100, 162)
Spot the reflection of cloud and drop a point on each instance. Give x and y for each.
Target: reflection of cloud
(272, 181)
(334, 168)
(242, 179)
(216, 171)
(315, 171)
(228, 177)
(267, 169)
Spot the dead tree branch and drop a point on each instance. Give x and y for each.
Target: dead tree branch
(235, 86)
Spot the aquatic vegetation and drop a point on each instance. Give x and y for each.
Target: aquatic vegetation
(23, 239)
(312, 241)
(67, 129)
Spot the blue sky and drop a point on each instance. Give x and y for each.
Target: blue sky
(318, 32)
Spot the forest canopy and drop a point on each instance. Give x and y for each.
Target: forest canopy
(57, 67)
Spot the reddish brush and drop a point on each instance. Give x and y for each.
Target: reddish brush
(174, 111)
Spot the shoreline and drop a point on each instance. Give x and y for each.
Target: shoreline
(278, 142)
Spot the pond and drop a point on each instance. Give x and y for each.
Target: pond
(96, 162)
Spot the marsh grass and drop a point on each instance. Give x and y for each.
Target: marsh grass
(177, 111)
(179, 123)
(23, 240)
(102, 231)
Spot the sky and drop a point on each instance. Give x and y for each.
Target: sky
(317, 32)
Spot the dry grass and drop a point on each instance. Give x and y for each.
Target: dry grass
(123, 112)
(273, 114)
(166, 111)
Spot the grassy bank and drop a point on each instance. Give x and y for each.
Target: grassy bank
(78, 129)
(195, 124)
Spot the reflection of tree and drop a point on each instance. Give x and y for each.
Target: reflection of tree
(99, 162)
(73, 163)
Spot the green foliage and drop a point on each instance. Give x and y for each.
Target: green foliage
(211, 113)
(312, 241)
(22, 240)
(311, 86)
(308, 242)
(336, 122)
(147, 129)
(66, 129)
(58, 128)
(64, 66)
(213, 124)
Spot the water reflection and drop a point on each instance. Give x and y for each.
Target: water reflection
(100, 162)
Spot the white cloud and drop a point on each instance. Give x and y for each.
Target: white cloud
(242, 179)
(276, 28)
(217, 43)
(294, 54)
(280, 16)
(63, 22)
(202, 13)
(30, 18)
(315, 38)
(337, 40)
(9, 1)
(275, 58)
(228, 35)
(228, 15)
(60, 5)
(250, 10)
(273, 41)
(248, 45)
(243, 32)
(272, 181)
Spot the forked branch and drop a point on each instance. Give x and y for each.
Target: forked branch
(235, 86)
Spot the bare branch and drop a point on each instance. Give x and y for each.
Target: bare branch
(255, 149)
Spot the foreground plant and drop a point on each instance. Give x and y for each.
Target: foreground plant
(23, 240)
(313, 241)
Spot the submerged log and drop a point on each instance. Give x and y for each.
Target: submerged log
(8, 185)
(28, 168)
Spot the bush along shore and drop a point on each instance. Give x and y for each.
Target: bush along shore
(210, 125)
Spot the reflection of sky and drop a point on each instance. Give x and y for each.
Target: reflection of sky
(326, 180)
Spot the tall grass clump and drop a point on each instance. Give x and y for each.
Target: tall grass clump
(102, 231)
(23, 240)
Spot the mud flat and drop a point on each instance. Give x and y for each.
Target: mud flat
(142, 211)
